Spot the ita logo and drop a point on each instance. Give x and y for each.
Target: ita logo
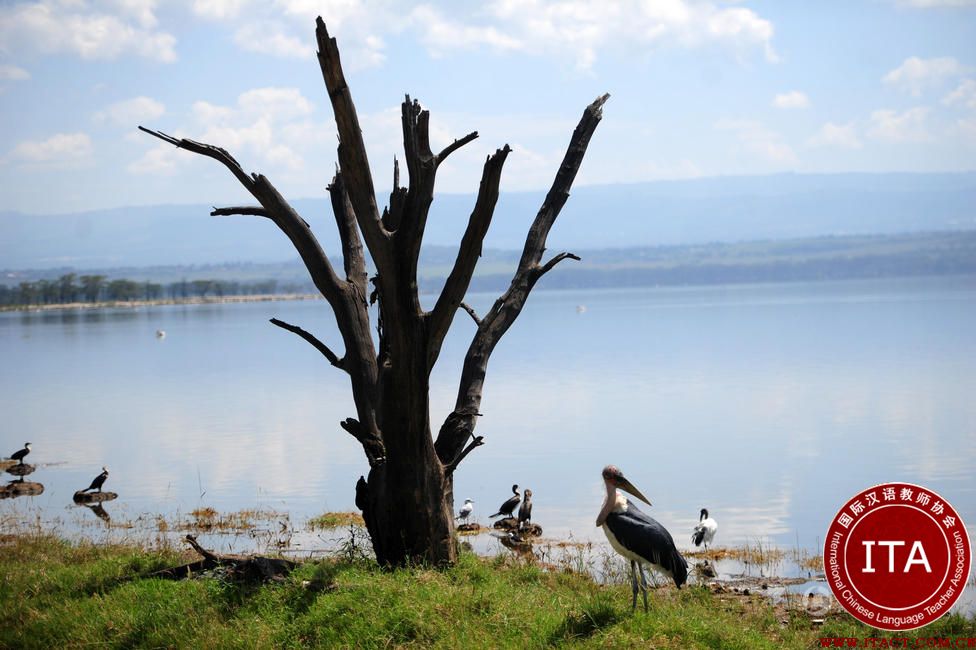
(897, 556)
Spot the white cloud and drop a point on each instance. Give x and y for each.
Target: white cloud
(59, 149)
(131, 112)
(907, 126)
(13, 73)
(581, 29)
(218, 9)
(275, 103)
(836, 135)
(965, 94)
(270, 38)
(163, 159)
(142, 11)
(930, 4)
(50, 27)
(441, 34)
(915, 74)
(759, 140)
(967, 128)
(792, 99)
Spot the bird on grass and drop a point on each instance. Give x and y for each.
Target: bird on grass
(465, 510)
(636, 536)
(98, 481)
(705, 530)
(20, 453)
(509, 506)
(525, 510)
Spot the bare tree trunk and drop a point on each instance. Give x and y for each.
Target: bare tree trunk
(407, 498)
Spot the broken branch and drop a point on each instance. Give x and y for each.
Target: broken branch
(317, 344)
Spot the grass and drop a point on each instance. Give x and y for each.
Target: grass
(56, 594)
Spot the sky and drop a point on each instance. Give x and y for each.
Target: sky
(697, 89)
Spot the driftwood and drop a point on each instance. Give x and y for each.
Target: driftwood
(511, 524)
(20, 488)
(94, 497)
(243, 567)
(21, 469)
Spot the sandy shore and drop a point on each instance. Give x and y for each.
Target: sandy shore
(132, 304)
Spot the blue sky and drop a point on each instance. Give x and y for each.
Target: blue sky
(697, 89)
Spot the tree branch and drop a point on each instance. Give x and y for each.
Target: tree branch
(535, 242)
(459, 426)
(469, 251)
(317, 344)
(352, 149)
(354, 261)
(554, 261)
(372, 444)
(475, 443)
(247, 210)
(471, 313)
(208, 150)
(454, 146)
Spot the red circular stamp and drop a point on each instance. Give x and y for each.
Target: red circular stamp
(897, 556)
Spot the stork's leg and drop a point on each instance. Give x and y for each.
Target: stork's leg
(633, 584)
(643, 584)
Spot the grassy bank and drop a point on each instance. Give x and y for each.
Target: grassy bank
(56, 594)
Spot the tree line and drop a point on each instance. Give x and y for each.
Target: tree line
(72, 288)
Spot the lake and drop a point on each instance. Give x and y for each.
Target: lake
(770, 405)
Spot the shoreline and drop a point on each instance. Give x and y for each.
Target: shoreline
(162, 302)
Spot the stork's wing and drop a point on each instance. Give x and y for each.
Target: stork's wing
(645, 536)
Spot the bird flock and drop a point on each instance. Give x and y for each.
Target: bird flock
(20, 487)
(633, 534)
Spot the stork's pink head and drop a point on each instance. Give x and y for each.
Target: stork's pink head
(615, 477)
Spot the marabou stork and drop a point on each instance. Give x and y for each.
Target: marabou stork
(20, 453)
(509, 506)
(705, 530)
(465, 511)
(525, 510)
(636, 536)
(98, 481)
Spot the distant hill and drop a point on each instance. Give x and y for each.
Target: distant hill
(722, 209)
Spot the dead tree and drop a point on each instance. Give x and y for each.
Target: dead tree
(407, 499)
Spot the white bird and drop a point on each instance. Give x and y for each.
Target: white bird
(636, 536)
(705, 530)
(465, 510)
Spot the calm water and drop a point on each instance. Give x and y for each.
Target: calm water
(769, 404)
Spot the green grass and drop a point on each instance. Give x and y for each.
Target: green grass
(56, 594)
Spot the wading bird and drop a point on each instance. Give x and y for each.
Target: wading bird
(705, 530)
(636, 536)
(525, 510)
(509, 506)
(20, 453)
(465, 511)
(98, 481)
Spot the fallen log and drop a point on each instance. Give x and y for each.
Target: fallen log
(94, 497)
(20, 488)
(248, 568)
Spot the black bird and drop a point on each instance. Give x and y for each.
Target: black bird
(525, 510)
(98, 481)
(636, 536)
(20, 453)
(509, 506)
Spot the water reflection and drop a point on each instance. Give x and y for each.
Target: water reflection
(769, 404)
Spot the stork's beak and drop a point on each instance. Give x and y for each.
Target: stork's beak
(627, 486)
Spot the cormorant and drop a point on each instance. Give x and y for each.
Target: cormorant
(509, 506)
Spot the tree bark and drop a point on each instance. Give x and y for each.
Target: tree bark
(407, 497)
